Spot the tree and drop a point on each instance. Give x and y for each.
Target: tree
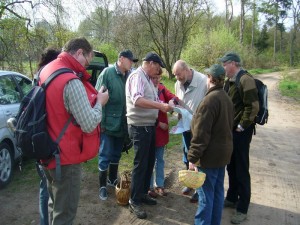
(262, 43)
(295, 30)
(169, 23)
(275, 10)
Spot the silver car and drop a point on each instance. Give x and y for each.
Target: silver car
(13, 87)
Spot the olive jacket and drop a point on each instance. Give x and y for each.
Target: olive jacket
(211, 129)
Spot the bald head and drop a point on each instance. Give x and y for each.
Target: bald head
(181, 71)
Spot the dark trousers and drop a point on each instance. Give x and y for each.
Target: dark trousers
(238, 170)
(144, 159)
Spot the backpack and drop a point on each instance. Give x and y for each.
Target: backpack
(31, 132)
(262, 91)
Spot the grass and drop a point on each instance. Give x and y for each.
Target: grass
(290, 84)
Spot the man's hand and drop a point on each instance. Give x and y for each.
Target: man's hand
(165, 107)
(193, 167)
(102, 97)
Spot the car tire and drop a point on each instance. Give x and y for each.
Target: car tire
(6, 164)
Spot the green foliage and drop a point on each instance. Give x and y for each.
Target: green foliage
(206, 47)
(290, 84)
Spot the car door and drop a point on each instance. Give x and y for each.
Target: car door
(12, 89)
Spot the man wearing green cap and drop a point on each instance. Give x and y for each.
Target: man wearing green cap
(245, 99)
(211, 146)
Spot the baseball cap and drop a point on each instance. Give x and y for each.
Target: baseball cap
(230, 56)
(128, 54)
(155, 58)
(216, 71)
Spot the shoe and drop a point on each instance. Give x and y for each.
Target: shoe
(186, 190)
(229, 204)
(138, 211)
(238, 217)
(161, 191)
(103, 193)
(194, 198)
(148, 200)
(152, 193)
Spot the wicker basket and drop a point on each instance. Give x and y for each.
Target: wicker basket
(191, 179)
(123, 188)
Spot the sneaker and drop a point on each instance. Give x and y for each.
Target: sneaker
(138, 211)
(161, 191)
(238, 217)
(103, 193)
(186, 190)
(229, 204)
(194, 198)
(148, 200)
(152, 193)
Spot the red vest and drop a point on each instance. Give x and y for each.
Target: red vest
(75, 145)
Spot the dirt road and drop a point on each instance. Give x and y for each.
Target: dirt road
(275, 173)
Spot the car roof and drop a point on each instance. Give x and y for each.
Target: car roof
(6, 72)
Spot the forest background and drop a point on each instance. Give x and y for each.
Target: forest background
(266, 33)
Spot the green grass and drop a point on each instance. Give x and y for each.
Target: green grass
(290, 84)
(261, 71)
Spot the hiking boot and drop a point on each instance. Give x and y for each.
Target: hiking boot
(103, 193)
(148, 200)
(138, 211)
(229, 204)
(152, 193)
(186, 190)
(238, 217)
(194, 198)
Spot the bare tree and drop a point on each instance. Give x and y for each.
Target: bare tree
(169, 23)
(296, 28)
(229, 12)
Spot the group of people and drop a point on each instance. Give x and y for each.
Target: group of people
(134, 102)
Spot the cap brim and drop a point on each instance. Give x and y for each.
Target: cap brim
(135, 60)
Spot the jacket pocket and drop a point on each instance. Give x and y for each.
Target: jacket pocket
(113, 121)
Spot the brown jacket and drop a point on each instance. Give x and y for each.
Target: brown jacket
(211, 129)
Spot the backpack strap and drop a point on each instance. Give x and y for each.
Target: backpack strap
(54, 75)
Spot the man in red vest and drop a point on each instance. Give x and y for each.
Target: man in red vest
(71, 95)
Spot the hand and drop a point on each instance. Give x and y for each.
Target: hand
(193, 167)
(166, 107)
(163, 126)
(238, 130)
(102, 97)
(172, 103)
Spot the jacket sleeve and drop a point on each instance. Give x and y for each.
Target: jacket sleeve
(168, 95)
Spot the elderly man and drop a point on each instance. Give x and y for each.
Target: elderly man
(245, 100)
(190, 88)
(113, 124)
(142, 111)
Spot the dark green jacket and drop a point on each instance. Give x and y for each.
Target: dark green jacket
(245, 100)
(113, 113)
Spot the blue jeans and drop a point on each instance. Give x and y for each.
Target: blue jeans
(144, 158)
(211, 197)
(186, 140)
(110, 150)
(159, 168)
(43, 198)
